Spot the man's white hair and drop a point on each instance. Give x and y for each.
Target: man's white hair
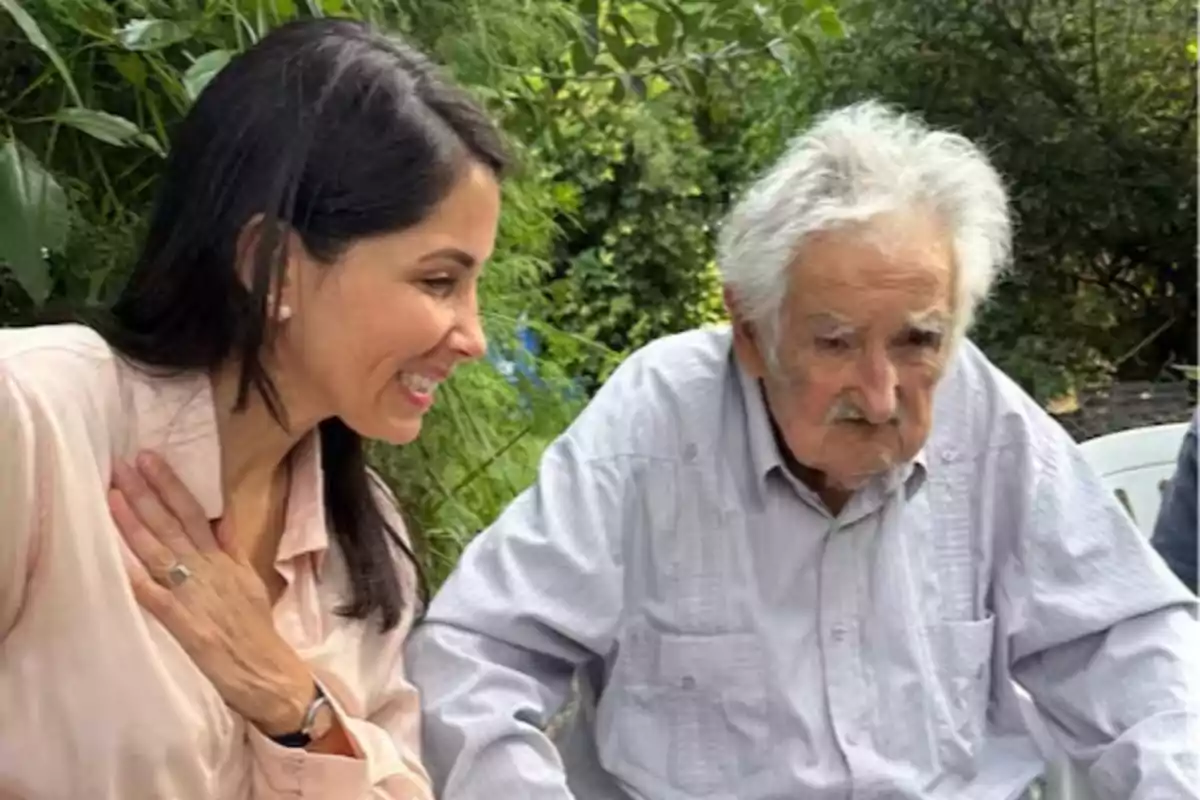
(852, 165)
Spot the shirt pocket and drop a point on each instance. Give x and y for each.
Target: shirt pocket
(685, 712)
(962, 663)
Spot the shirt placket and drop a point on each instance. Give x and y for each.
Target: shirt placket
(847, 695)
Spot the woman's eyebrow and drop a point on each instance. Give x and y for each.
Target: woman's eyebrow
(452, 254)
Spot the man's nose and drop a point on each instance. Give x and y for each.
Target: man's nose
(878, 388)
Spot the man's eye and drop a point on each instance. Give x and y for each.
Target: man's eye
(923, 339)
(832, 344)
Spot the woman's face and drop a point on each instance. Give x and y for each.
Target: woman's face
(371, 336)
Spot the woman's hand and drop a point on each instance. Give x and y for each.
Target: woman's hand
(192, 578)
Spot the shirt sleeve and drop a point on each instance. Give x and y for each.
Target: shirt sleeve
(18, 500)
(386, 741)
(386, 764)
(533, 597)
(1099, 632)
(1175, 530)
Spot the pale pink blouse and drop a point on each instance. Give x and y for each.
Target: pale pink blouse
(97, 700)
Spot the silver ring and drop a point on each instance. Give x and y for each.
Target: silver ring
(177, 575)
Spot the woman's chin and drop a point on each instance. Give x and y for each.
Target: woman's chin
(394, 430)
(401, 433)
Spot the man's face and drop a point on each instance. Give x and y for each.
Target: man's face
(862, 342)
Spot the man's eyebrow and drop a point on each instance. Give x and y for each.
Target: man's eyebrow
(930, 321)
(829, 322)
(451, 253)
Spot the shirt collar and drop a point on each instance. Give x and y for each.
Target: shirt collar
(176, 417)
(305, 529)
(764, 450)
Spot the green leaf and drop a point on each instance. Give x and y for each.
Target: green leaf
(831, 23)
(637, 85)
(130, 67)
(749, 35)
(626, 57)
(150, 143)
(34, 218)
(782, 54)
(203, 70)
(623, 25)
(589, 8)
(38, 39)
(664, 31)
(618, 90)
(809, 46)
(792, 15)
(582, 58)
(108, 128)
(284, 9)
(153, 34)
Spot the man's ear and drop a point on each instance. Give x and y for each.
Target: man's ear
(747, 337)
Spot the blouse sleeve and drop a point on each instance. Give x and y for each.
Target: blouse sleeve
(18, 499)
(386, 739)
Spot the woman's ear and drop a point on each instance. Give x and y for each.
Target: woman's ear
(248, 252)
(266, 254)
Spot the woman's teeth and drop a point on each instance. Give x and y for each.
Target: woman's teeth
(418, 383)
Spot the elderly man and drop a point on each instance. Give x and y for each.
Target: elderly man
(810, 556)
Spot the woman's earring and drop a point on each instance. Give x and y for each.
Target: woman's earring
(285, 313)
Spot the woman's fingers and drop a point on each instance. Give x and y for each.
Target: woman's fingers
(147, 560)
(227, 540)
(156, 520)
(149, 550)
(178, 500)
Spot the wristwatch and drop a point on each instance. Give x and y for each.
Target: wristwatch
(318, 720)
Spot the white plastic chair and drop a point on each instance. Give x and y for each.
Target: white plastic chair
(1136, 464)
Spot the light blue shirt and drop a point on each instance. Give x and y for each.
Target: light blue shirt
(745, 644)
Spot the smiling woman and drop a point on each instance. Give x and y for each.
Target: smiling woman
(308, 279)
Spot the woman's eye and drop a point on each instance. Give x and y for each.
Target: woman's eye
(442, 284)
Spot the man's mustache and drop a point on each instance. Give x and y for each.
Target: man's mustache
(846, 411)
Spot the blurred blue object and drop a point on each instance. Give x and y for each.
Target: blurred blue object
(515, 363)
(519, 366)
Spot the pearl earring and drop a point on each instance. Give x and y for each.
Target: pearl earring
(285, 313)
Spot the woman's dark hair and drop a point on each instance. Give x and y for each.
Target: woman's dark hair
(334, 132)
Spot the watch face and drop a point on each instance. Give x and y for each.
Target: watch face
(322, 722)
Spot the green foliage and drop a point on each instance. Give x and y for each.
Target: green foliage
(636, 123)
(33, 217)
(620, 112)
(646, 127)
(1089, 110)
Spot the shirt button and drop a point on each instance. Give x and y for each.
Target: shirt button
(838, 632)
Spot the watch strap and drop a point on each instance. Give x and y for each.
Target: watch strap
(303, 737)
